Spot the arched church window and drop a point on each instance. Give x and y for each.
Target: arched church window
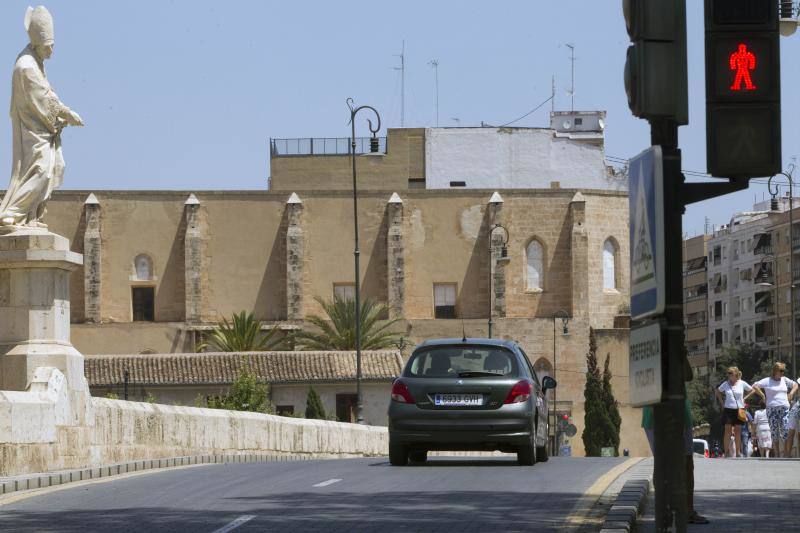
(143, 267)
(534, 275)
(610, 252)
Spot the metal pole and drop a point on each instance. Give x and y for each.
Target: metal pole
(555, 398)
(126, 377)
(669, 472)
(791, 276)
(356, 251)
(491, 261)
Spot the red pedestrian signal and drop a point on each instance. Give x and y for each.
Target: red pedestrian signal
(743, 88)
(742, 61)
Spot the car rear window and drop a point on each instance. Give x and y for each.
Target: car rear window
(451, 361)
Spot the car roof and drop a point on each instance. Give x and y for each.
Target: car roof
(473, 341)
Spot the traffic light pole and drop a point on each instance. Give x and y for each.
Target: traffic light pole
(669, 472)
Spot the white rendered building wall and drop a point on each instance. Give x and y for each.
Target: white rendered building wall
(513, 158)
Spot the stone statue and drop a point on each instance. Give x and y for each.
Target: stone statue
(37, 118)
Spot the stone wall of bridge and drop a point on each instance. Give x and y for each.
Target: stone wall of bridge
(33, 439)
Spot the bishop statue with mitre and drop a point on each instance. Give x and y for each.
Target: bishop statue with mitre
(37, 118)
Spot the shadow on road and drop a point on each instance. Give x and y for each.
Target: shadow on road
(442, 462)
(319, 512)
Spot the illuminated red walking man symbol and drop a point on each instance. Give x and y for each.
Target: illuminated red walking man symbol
(743, 61)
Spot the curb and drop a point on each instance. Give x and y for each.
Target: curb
(627, 506)
(62, 477)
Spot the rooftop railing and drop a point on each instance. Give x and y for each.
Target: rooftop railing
(321, 146)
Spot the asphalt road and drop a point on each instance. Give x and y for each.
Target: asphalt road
(355, 495)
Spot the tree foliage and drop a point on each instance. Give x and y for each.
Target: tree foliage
(243, 334)
(611, 404)
(245, 394)
(338, 330)
(314, 407)
(599, 430)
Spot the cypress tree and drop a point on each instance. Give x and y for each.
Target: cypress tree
(598, 428)
(612, 405)
(314, 407)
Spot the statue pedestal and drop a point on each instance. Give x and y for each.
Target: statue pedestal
(35, 266)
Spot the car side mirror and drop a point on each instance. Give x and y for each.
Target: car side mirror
(549, 383)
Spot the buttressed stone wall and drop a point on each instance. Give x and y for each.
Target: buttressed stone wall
(273, 252)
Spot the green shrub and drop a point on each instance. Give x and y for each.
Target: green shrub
(314, 407)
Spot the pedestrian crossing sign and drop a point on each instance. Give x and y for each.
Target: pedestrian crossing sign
(646, 212)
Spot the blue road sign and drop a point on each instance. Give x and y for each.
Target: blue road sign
(646, 207)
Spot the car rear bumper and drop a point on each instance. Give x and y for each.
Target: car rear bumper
(498, 429)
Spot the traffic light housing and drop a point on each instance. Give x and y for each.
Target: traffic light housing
(743, 93)
(655, 70)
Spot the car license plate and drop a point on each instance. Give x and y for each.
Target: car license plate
(458, 399)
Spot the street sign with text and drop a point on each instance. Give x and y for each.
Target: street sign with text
(644, 369)
(646, 212)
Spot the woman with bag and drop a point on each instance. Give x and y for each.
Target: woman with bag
(779, 392)
(731, 397)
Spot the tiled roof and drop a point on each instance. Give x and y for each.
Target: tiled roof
(223, 368)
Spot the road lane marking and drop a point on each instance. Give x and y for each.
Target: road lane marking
(239, 522)
(328, 482)
(583, 507)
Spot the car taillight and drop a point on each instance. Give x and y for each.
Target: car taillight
(520, 392)
(706, 454)
(400, 392)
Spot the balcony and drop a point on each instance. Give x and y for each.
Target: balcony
(322, 146)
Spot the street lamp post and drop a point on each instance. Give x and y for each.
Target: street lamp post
(762, 280)
(564, 316)
(501, 260)
(373, 148)
(775, 207)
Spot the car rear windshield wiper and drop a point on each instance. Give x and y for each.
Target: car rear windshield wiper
(478, 373)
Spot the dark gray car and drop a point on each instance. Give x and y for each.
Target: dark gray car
(468, 394)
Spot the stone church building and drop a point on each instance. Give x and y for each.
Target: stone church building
(544, 251)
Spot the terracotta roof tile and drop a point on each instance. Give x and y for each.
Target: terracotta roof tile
(223, 368)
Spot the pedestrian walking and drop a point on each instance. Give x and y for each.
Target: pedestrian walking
(763, 432)
(731, 396)
(793, 422)
(745, 446)
(779, 391)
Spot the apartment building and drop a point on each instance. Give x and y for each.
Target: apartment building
(695, 300)
(786, 267)
(742, 296)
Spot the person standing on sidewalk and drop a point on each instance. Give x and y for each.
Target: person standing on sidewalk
(763, 433)
(779, 392)
(731, 397)
(746, 445)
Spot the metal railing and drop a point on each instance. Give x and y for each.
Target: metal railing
(321, 146)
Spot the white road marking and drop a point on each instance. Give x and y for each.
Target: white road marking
(328, 482)
(239, 522)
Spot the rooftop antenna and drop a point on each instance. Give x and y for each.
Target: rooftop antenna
(402, 69)
(435, 64)
(553, 93)
(572, 75)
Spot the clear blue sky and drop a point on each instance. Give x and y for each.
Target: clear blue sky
(185, 94)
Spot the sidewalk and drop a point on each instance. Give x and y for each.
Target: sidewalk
(742, 495)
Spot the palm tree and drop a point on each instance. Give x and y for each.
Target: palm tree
(243, 334)
(338, 330)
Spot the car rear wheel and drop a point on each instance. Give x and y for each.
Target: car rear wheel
(418, 456)
(541, 454)
(526, 455)
(398, 455)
